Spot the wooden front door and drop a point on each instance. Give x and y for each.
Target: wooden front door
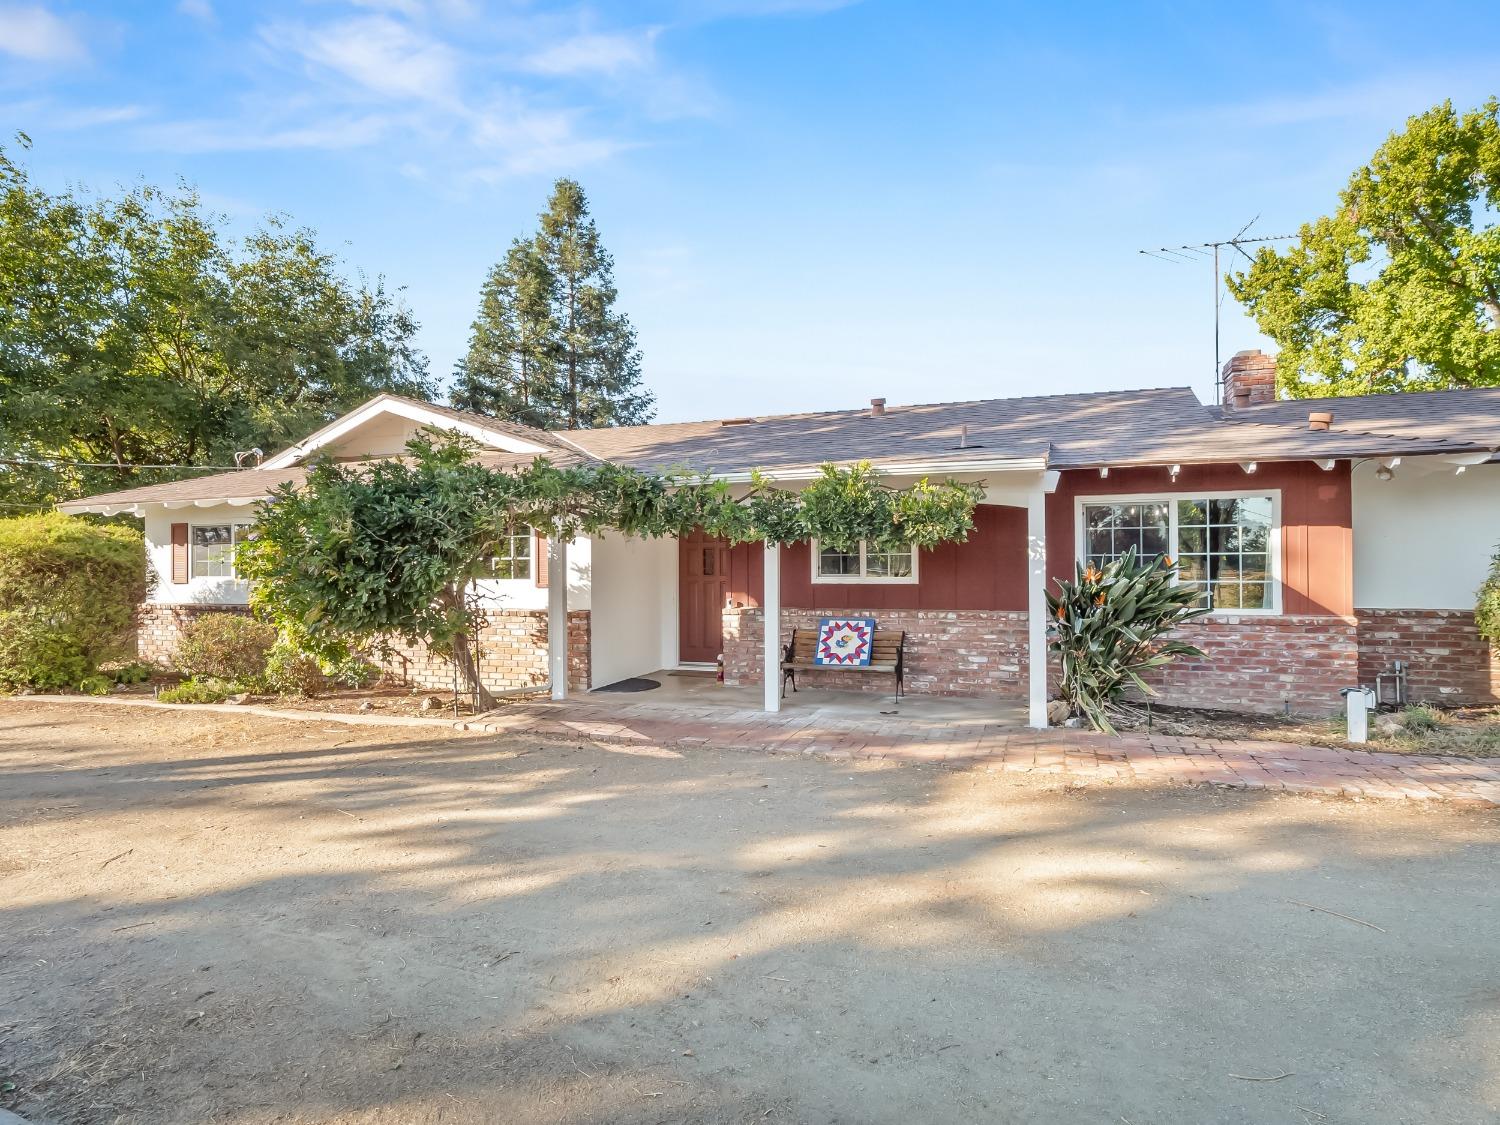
(703, 586)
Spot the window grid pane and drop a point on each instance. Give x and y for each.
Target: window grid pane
(1231, 563)
(512, 558)
(213, 551)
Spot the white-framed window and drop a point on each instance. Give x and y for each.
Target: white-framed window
(1226, 544)
(864, 564)
(512, 558)
(211, 548)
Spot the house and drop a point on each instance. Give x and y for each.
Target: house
(1329, 537)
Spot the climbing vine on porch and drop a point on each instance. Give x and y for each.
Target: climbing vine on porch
(361, 553)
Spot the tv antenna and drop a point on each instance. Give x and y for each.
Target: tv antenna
(1200, 251)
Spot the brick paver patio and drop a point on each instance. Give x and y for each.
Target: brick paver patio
(1081, 755)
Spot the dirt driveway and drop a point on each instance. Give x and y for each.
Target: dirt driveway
(216, 918)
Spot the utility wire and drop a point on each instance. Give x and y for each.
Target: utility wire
(53, 463)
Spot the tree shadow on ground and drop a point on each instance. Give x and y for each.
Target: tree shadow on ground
(207, 918)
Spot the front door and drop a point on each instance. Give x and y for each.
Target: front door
(703, 586)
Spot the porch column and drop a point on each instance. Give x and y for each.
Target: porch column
(1036, 607)
(771, 609)
(557, 615)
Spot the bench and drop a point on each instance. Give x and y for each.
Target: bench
(887, 654)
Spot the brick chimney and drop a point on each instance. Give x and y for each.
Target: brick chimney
(1249, 379)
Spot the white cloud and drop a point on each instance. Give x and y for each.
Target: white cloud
(608, 54)
(197, 9)
(33, 33)
(381, 55)
(232, 135)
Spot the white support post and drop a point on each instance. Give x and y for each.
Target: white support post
(771, 609)
(557, 615)
(1036, 608)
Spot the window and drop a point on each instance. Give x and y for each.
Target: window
(512, 557)
(864, 564)
(213, 548)
(1225, 545)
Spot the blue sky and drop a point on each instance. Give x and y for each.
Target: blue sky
(809, 202)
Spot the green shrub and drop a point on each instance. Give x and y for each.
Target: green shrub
(68, 593)
(1106, 627)
(1487, 607)
(199, 691)
(225, 646)
(133, 673)
(290, 671)
(95, 685)
(1420, 720)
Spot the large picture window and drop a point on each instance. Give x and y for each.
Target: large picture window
(1225, 545)
(863, 564)
(512, 557)
(213, 547)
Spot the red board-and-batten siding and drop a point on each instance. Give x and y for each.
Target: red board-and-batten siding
(989, 570)
(966, 613)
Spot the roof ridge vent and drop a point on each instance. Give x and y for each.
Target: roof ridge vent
(738, 421)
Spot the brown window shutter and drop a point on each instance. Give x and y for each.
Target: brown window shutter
(179, 552)
(539, 560)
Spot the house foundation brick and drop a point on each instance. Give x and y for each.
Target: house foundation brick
(512, 654)
(512, 647)
(1448, 661)
(1269, 665)
(159, 628)
(948, 652)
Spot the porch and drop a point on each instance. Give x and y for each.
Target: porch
(686, 696)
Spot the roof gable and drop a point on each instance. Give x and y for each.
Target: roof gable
(382, 426)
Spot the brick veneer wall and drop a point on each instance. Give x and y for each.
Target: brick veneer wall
(948, 652)
(1265, 664)
(1449, 661)
(512, 647)
(158, 628)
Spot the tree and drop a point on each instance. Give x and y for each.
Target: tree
(548, 348)
(510, 370)
(1399, 289)
(134, 331)
(359, 554)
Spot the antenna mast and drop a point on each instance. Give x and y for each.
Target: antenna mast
(1193, 252)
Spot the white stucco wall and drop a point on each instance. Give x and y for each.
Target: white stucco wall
(517, 594)
(1423, 539)
(524, 593)
(195, 591)
(634, 623)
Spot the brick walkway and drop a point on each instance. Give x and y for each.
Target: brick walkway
(1081, 755)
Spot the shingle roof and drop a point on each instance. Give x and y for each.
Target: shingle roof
(1165, 425)
(1471, 415)
(254, 484)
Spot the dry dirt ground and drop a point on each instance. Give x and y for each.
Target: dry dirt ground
(214, 918)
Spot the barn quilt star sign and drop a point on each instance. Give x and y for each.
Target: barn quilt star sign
(844, 640)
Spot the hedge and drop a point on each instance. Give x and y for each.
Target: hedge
(69, 588)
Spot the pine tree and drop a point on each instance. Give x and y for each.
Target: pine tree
(548, 348)
(509, 371)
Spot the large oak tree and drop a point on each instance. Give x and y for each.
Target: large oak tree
(134, 330)
(1399, 288)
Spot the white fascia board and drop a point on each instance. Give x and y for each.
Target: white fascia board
(383, 405)
(903, 469)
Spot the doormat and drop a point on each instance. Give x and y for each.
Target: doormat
(635, 683)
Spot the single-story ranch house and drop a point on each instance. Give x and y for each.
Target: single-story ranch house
(1330, 537)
